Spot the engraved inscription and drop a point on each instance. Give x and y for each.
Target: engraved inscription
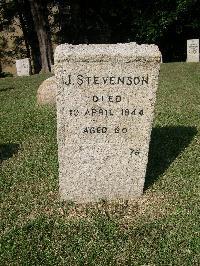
(109, 98)
(134, 152)
(102, 99)
(92, 130)
(99, 112)
(107, 80)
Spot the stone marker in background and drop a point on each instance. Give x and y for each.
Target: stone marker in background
(46, 93)
(193, 50)
(105, 105)
(52, 69)
(23, 67)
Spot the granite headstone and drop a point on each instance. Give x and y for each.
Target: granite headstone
(23, 67)
(193, 50)
(105, 106)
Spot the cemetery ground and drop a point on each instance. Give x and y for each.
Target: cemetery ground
(161, 228)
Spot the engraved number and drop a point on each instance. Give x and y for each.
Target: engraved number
(134, 152)
(127, 112)
(74, 112)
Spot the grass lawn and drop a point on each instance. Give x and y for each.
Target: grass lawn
(161, 228)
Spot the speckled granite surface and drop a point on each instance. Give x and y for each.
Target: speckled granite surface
(105, 106)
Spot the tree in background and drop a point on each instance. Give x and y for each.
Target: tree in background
(10, 44)
(167, 23)
(29, 33)
(33, 18)
(41, 25)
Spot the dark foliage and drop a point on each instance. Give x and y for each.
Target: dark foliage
(167, 23)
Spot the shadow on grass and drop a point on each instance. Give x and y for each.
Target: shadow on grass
(6, 89)
(8, 150)
(166, 144)
(5, 74)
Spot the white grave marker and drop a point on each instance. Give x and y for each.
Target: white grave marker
(193, 50)
(23, 67)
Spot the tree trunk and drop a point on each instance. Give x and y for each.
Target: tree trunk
(40, 18)
(22, 22)
(0, 67)
(30, 35)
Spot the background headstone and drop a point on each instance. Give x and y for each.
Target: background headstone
(52, 69)
(105, 105)
(46, 93)
(193, 50)
(23, 67)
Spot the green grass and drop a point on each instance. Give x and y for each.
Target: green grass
(161, 228)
